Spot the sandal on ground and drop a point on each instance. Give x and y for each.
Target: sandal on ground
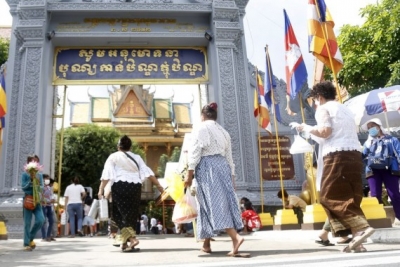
(325, 243)
(134, 243)
(28, 248)
(361, 237)
(206, 250)
(239, 255)
(348, 240)
(32, 244)
(346, 249)
(129, 250)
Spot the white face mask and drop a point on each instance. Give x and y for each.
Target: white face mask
(46, 182)
(242, 205)
(316, 102)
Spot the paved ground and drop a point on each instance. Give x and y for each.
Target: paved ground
(267, 248)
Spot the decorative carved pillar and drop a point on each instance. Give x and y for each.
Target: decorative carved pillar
(233, 88)
(22, 132)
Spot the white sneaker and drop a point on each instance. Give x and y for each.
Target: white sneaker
(396, 223)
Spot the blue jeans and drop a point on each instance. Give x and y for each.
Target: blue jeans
(48, 213)
(75, 208)
(29, 234)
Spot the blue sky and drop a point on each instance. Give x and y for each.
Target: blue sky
(264, 24)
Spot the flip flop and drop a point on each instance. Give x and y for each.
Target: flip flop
(348, 240)
(325, 243)
(359, 239)
(206, 250)
(239, 255)
(130, 250)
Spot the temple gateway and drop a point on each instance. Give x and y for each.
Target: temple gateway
(123, 55)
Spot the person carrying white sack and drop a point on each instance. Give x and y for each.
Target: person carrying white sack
(341, 189)
(126, 171)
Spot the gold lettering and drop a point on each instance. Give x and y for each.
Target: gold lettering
(91, 70)
(124, 53)
(172, 53)
(119, 67)
(133, 53)
(63, 69)
(106, 67)
(192, 68)
(86, 54)
(112, 53)
(143, 53)
(101, 53)
(165, 69)
(131, 67)
(177, 64)
(147, 69)
(157, 53)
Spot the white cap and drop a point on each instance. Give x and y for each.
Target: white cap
(374, 120)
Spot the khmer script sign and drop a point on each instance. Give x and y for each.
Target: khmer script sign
(269, 158)
(130, 66)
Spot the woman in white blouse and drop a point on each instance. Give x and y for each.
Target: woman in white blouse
(126, 171)
(210, 157)
(341, 185)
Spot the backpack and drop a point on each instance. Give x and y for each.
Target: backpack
(378, 157)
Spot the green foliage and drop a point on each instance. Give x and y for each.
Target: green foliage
(370, 52)
(85, 151)
(176, 154)
(162, 163)
(153, 211)
(4, 47)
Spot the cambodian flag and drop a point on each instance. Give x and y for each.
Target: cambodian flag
(296, 72)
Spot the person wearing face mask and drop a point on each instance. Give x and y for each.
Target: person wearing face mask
(47, 206)
(379, 141)
(340, 187)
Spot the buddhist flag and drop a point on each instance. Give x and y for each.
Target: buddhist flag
(321, 37)
(296, 72)
(270, 84)
(261, 111)
(3, 101)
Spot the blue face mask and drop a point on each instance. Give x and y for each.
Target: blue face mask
(373, 131)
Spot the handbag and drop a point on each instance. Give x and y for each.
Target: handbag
(28, 202)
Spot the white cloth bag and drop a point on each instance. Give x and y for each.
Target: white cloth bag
(94, 209)
(103, 203)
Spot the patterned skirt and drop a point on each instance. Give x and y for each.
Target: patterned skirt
(125, 207)
(218, 207)
(342, 192)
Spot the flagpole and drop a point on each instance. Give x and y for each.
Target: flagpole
(324, 31)
(276, 127)
(259, 145)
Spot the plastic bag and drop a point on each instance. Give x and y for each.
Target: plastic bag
(300, 146)
(185, 210)
(175, 186)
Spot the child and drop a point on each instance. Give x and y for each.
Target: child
(251, 220)
(160, 228)
(142, 227)
(87, 220)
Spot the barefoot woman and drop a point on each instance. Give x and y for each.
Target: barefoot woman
(210, 156)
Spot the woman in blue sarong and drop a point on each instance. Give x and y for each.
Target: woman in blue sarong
(210, 158)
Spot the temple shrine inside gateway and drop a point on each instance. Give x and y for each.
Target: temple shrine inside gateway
(145, 67)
